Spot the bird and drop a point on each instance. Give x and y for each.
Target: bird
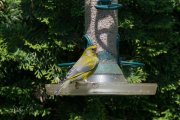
(82, 69)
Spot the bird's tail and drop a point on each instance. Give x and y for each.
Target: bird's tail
(63, 85)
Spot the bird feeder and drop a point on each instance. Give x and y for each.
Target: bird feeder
(101, 28)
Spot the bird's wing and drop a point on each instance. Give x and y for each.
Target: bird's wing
(84, 64)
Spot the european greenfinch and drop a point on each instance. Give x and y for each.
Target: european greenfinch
(82, 69)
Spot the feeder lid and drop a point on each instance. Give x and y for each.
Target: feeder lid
(108, 7)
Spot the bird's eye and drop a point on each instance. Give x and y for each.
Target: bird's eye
(92, 49)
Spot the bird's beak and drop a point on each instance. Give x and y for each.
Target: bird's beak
(98, 50)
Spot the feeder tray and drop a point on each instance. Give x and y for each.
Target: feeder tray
(108, 89)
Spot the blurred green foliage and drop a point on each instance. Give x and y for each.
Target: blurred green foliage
(36, 35)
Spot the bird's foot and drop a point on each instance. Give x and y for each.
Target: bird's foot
(77, 86)
(93, 83)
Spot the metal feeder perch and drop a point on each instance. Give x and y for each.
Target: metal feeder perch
(101, 27)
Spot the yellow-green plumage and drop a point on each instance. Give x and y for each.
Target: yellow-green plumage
(83, 68)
